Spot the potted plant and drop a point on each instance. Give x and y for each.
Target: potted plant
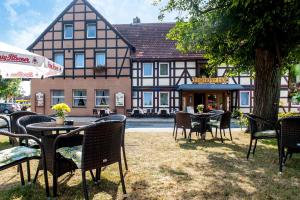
(200, 108)
(61, 109)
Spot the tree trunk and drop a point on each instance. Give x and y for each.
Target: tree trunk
(267, 85)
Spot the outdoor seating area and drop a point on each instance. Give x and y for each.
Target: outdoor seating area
(62, 148)
(170, 170)
(35, 144)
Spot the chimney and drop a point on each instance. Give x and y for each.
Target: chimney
(136, 20)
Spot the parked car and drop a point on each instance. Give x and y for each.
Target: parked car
(9, 107)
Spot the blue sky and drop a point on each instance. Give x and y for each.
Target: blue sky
(23, 20)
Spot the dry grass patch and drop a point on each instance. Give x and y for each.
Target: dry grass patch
(160, 168)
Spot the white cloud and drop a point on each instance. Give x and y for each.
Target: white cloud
(10, 6)
(24, 37)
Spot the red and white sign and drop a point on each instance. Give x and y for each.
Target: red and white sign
(19, 63)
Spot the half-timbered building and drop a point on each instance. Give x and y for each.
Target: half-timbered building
(102, 60)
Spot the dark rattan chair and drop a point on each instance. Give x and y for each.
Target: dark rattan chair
(222, 124)
(164, 114)
(269, 132)
(14, 129)
(289, 139)
(184, 120)
(121, 118)
(17, 155)
(101, 147)
(22, 122)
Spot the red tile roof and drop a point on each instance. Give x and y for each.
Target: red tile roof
(149, 40)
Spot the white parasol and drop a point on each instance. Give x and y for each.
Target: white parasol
(19, 63)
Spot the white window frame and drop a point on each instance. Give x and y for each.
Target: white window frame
(147, 106)
(65, 37)
(63, 57)
(87, 30)
(79, 97)
(107, 97)
(97, 53)
(144, 70)
(168, 101)
(167, 70)
(61, 97)
(249, 99)
(75, 64)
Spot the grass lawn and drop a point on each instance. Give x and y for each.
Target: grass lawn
(160, 168)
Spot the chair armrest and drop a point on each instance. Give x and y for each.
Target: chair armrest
(6, 121)
(22, 136)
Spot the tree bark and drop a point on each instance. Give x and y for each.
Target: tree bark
(267, 85)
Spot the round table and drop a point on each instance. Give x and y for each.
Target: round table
(48, 131)
(202, 118)
(52, 126)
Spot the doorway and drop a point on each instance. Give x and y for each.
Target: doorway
(199, 98)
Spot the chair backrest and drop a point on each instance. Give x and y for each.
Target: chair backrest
(225, 120)
(216, 114)
(290, 132)
(253, 126)
(183, 119)
(23, 121)
(15, 116)
(101, 144)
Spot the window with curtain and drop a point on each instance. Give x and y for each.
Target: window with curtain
(57, 96)
(79, 98)
(102, 98)
(164, 99)
(79, 60)
(100, 60)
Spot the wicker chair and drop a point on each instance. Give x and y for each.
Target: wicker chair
(222, 124)
(22, 122)
(15, 116)
(101, 147)
(17, 155)
(289, 138)
(184, 120)
(255, 123)
(14, 129)
(121, 118)
(95, 112)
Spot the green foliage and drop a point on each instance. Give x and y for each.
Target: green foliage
(10, 88)
(229, 31)
(238, 114)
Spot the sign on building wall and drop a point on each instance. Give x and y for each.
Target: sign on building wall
(39, 99)
(210, 80)
(120, 99)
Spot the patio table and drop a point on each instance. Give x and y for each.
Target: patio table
(202, 118)
(48, 131)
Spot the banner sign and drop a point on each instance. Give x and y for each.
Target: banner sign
(39, 99)
(120, 99)
(210, 80)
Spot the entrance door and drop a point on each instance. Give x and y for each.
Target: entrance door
(199, 98)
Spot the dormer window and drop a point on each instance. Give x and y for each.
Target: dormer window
(100, 60)
(91, 30)
(68, 31)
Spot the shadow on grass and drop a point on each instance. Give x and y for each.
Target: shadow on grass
(178, 174)
(105, 186)
(139, 190)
